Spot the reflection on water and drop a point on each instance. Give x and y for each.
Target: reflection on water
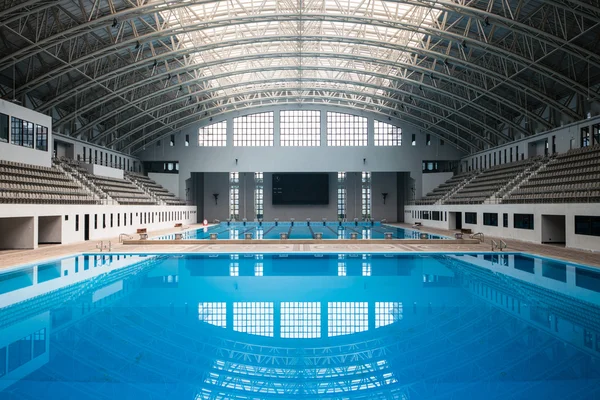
(246, 326)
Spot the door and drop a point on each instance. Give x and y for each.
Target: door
(458, 220)
(86, 227)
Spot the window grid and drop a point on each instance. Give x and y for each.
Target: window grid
(301, 320)
(341, 195)
(387, 134)
(255, 318)
(366, 269)
(253, 130)
(214, 313)
(300, 128)
(234, 195)
(345, 318)
(366, 195)
(387, 312)
(259, 197)
(346, 130)
(214, 135)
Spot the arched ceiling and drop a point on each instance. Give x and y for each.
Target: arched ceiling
(124, 73)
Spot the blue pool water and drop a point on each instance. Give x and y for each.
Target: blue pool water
(300, 326)
(302, 230)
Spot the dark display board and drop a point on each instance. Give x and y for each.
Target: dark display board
(300, 189)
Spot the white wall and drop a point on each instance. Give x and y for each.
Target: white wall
(299, 159)
(21, 233)
(11, 152)
(569, 210)
(49, 229)
(534, 145)
(433, 180)
(101, 170)
(77, 150)
(168, 181)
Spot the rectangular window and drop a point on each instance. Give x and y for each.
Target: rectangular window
(414, 140)
(346, 130)
(300, 128)
(95, 221)
(187, 140)
(234, 195)
(214, 135)
(387, 134)
(103, 221)
(553, 144)
(41, 138)
(77, 223)
(254, 130)
(505, 220)
(16, 131)
(3, 127)
(587, 225)
(172, 141)
(259, 197)
(28, 134)
(595, 140)
(341, 195)
(510, 150)
(387, 312)
(585, 136)
(366, 195)
(428, 139)
(523, 221)
(470, 218)
(19, 353)
(112, 219)
(490, 219)
(546, 149)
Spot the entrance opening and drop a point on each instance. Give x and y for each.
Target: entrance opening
(17, 233)
(553, 229)
(458, 220)
(50, 229)
(86, 227)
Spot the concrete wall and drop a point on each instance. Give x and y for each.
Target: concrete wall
(568, 210)
(101, 170)
(567, 137)
(433, 180)
(300, 159)
(74, 147)
(18, 233)
(21, 220)
(168, 181)
(553, 229)
(11, 152)
(49, 229)
(381, 182)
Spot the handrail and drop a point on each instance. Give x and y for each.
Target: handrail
(494, 244)
(479, 235)
(122, 235)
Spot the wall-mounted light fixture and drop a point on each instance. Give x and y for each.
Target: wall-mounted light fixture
(384, 195)
(216, 196)
(236, 161)
(364, 160)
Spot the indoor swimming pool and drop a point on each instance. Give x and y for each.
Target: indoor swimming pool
(300, 325)
(302, 230)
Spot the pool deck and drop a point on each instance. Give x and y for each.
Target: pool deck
(10, 258)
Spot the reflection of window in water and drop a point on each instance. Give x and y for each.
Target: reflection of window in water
(234, 265)
(387, 312)
(213, 313)
(341, 265)
(255, 318)
(258, 265)
(366, 266)
(300, 320)
(347, 317)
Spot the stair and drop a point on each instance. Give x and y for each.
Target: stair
(465, 182)
(143, 188)
(524, 178)
(88, 185)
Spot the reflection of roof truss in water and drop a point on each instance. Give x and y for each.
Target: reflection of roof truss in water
(301, 320)
(321, 381)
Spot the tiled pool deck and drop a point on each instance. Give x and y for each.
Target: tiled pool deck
(17, 257)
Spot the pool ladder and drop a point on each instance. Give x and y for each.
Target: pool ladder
(101, 246)
(501, 245)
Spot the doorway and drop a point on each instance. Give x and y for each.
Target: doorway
(86, 227)
(454, 220)
(458, 220)
(553, 229)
